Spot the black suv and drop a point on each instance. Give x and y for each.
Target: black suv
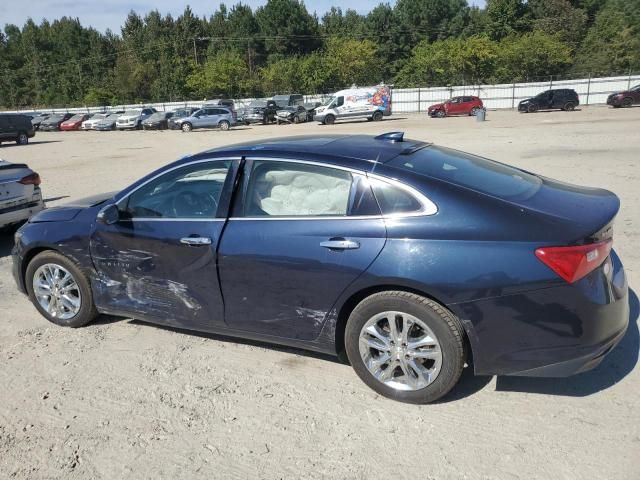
(15, 128)
(562, 99)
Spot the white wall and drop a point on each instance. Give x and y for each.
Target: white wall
(591, 91)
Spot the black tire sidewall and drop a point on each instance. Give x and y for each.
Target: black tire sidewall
(330, 120)
(452, 346)
(87, 310)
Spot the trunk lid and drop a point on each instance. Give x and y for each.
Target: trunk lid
(10, 190)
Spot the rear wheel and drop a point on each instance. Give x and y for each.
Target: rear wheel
(224, 125)
(474, 111)
(59, 290)
(569, 107)
(329, 120)
(23, 139)
(377, 116)
(186, 127)
(405, 346)
(627, 102)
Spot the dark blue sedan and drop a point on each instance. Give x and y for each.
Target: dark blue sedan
(409, 259)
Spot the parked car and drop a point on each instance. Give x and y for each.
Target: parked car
(178, 114)
(259, 111)
(90, 123)
(54, 121)
(133, 118)
(625, 99)
(157, 121)
(38, 119)
(108, 122)
(297, 114)
(467, 105)
(560, 99)
(370, 103)
(20, 195)
(208, 117)
(409, 257)
(75, 122)
(16, 128)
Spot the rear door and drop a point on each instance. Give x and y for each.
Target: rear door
(7, 130)
(299, 234)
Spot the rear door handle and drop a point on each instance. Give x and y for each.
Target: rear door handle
(340, 244)
(196, 240)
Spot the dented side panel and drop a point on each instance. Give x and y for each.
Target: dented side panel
(143, 269)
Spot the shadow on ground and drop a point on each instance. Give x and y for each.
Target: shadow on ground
(616, 365)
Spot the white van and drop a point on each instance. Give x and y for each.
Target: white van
(371, 103)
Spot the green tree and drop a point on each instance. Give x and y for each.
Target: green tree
(505, 17)
(225, 74)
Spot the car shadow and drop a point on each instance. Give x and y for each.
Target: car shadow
(616, 365)
(38, 142)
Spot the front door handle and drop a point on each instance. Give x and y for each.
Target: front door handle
(340, 244)
(196, 240)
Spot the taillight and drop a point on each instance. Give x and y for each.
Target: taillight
(33, 179)
(574, 262)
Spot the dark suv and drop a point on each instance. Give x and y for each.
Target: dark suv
(561, 99)
(626, 98)
(15, 128)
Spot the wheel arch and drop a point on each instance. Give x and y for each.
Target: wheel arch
(28, 256)
(345, 309)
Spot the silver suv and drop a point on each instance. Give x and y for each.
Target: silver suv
(208, 117)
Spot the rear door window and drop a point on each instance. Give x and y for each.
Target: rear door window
(470, 171)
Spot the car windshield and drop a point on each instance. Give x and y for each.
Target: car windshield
(258, 103)
(157, 116)
(56, 117)
(636, 88)
(470, 171)
(327, 101)
(77, 117)
(132, 113)
(98, 116)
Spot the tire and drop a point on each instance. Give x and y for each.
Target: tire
(377, 116)
(296, 119)
(329, 120)
(410, 309)
(22, 139)
(532, 108)
(224, 125)
(265, 120)
(440, 114)
(627, 102)
(86, 311)
(474, 111)
(569, 107)
(186, 127)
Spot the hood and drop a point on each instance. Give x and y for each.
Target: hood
(526, 100)
(69, 211)
(436, 105)
(129, 117)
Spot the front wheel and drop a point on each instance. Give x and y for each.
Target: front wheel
(627, 102)
(186, 127)
(440, 114)
(329, 120)
(532, 108)
(224, 125)
(59, 290)
(405, 346)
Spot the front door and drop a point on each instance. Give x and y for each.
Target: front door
(299, 234)
(158, 262)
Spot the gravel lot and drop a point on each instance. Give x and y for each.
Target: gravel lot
(121, 399)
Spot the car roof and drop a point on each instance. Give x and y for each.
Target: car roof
(380, 149)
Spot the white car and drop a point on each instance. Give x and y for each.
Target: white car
(20, 195)
(90, 124)
(133, 118)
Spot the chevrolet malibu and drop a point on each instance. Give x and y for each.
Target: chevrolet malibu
(409, 259)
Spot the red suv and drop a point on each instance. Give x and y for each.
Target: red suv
(626, 98)
(456, 106)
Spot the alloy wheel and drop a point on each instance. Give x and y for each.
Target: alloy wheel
(400, 351)
(57, 291)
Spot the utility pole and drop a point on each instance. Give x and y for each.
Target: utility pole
(195, 52)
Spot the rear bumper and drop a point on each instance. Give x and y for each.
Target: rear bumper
(15, 213)
(556, 331)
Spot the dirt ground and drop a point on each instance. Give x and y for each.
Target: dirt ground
(121, 399)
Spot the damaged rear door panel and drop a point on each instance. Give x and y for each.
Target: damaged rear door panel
(158, 261)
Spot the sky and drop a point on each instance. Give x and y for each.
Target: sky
(103, 14)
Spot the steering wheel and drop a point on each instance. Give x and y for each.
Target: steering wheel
(186, 204)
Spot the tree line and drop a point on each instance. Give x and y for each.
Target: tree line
(283, 48)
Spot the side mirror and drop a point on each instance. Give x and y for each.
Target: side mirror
(108, 215)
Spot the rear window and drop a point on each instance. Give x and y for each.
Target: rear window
(470, 171)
